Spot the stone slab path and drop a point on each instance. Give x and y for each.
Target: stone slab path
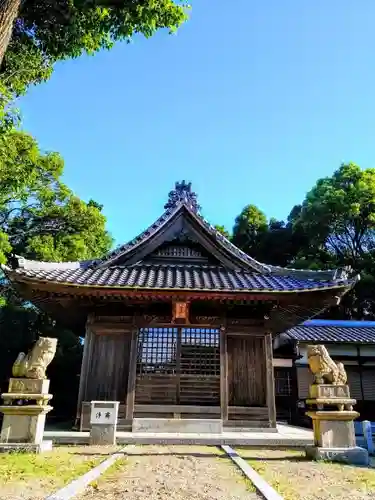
(174, 473)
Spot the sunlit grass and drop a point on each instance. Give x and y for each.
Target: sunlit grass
(46, 471)
(296, 478)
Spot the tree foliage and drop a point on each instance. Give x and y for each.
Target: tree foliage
(223, 231)
(249, 227)
(40, 217)
(271, 241)
(46, 31)
(339, 214)
(333, 227)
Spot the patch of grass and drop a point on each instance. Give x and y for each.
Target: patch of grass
(296, 478)
(44, 471)
(110, 473)
(249, 485)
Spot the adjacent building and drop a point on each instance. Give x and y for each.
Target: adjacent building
(351, 342)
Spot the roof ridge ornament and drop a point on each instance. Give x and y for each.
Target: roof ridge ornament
(182, 194)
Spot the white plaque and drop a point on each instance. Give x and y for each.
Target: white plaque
(104, 412)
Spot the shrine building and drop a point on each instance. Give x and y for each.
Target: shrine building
(178, 323)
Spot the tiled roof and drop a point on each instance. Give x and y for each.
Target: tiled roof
(167, 276)
(250, 262)
(166, 217)
(331, 333)
(182, 198)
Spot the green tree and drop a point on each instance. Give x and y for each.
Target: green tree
(339, 214)
(248, 228)
(39, 216)
(35, 34)
(338, 218)
(223, 231)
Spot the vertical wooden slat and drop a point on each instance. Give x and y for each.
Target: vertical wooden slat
(87, 350)
(294, 398)
(178, 365)
(360, 367)
(223, 374)
(246, 371)
(130, 396)
(270, 381)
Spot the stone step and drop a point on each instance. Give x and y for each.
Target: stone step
(176, 425)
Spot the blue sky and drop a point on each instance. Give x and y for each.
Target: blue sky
(252, 101)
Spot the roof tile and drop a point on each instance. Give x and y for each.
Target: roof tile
(324, 334)
(192, 277)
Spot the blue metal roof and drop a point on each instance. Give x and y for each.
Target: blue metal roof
(330, 331)
(339, 323)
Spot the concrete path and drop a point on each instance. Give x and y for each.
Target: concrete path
(174, 473)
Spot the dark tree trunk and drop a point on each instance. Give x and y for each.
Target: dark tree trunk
(8, 14)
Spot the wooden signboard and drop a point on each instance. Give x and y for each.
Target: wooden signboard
(180, 312)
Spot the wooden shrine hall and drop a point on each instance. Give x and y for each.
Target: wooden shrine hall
(178, 323)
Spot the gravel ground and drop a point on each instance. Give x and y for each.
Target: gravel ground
(173, 473)
(296, 478)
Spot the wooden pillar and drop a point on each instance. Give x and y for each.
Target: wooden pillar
(86, 358)
(270, 380)
(360, 369)
(294, 410)
(130, 396)
(223, 374)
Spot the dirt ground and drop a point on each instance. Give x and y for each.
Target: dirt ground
(173, 473)
(296, 478)
(33, 477)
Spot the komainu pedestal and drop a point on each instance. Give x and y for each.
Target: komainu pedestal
(332, 414)
(25, 408)
(26, 403)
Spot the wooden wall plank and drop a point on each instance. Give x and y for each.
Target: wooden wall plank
(270, 380)
(108, 368)
(130, 397)
(84, 366)
(223, 374)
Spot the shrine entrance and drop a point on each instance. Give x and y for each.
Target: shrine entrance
(178, 366)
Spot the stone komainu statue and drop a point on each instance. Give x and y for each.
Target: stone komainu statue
(34, 364)
(324, 369)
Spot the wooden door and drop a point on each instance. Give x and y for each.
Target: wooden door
(246, 371)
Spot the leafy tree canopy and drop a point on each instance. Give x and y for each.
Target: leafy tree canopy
(249, 225)
(223, 231)
(44, 32)
(339, 214)
(40, 217)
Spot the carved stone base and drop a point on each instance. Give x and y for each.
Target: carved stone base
(328, 391)
(353, 456)
(333, 429)
(330, 395)
(23, 424)
(32, 391)
(28, 385)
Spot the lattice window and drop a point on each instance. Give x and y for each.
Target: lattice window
(283, 382)
(177, 365)
(157, 350)
(200, 351)
(178, 251)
